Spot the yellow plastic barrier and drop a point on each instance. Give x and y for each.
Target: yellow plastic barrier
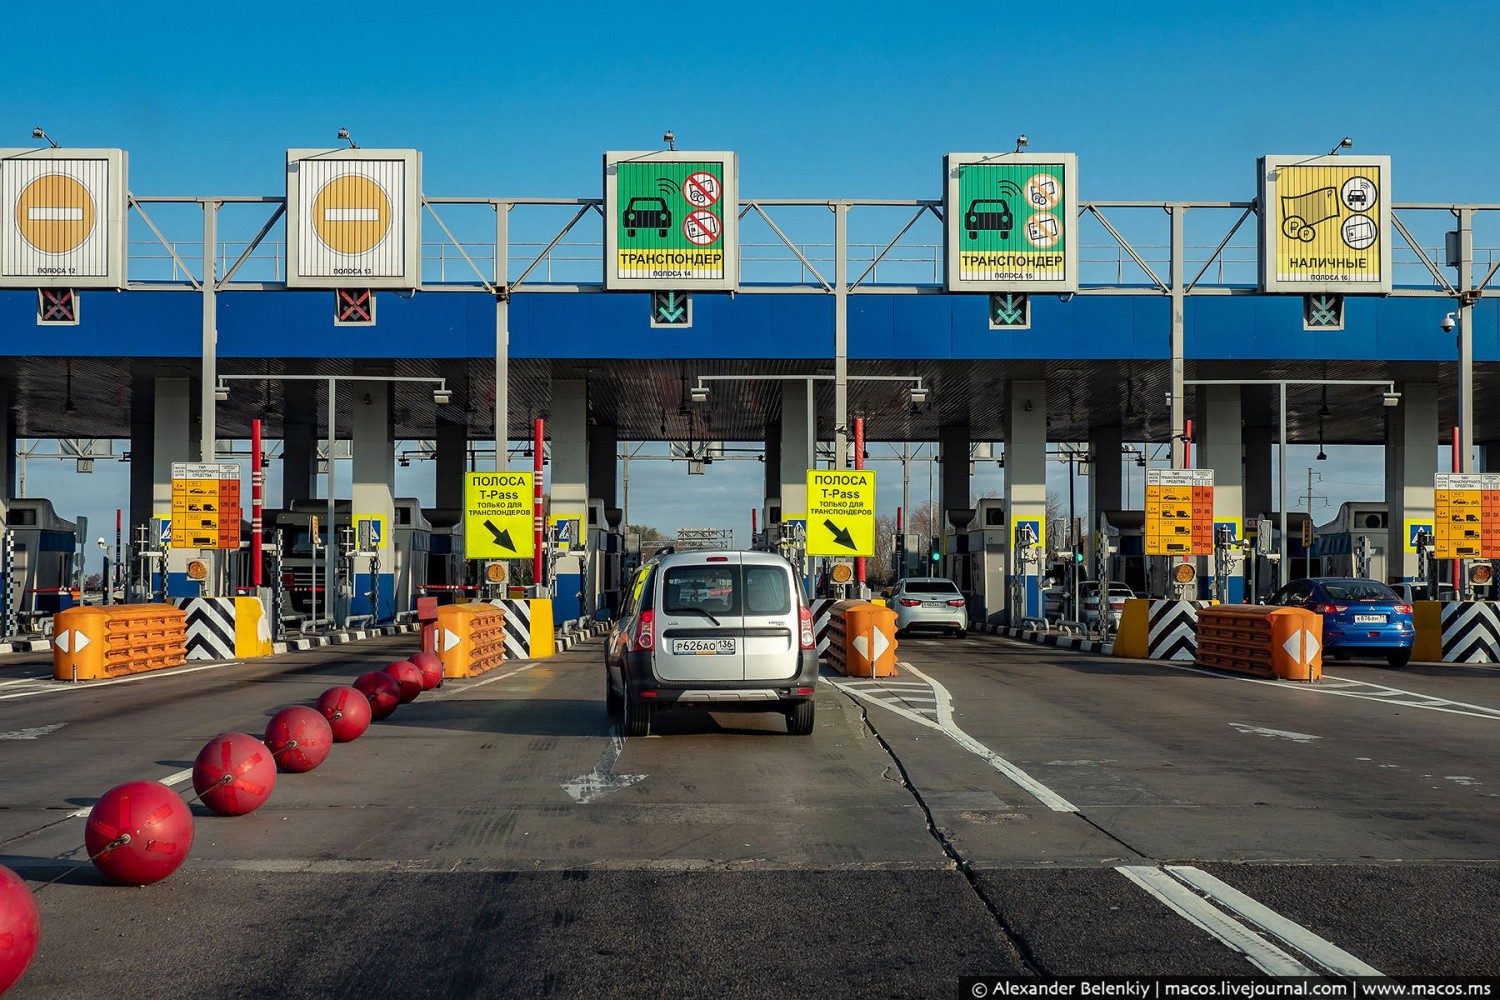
(862, 639)
(1256, 639)
(543, 628)
(252, 629)
(470, 638)
(1427, 618)
(94, 643)
(1132, 637)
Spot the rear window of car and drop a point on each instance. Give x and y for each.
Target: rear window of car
(931, 587)
(727, 589)
(1359, 590)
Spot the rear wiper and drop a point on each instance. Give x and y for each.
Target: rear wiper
(700, 610)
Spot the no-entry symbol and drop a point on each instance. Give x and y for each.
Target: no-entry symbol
(701, 227)
(55, 213)
(351, 214)
(701, 189)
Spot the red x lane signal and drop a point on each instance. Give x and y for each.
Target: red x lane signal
(56, 307)
(353, 307)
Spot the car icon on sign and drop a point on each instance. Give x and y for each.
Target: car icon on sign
(646, 213)
(989, 213)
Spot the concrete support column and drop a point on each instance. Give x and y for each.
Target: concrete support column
(1260, 447)
(604, 443)
(1026, 488)
(568, 428)
(797, 442)
(383, 572)
(142, 453)
(302, 431)
(1104, 472)
(174, 438)
(1219, 449)
(772, 506)
(7, 454)
(1411, 460)
(452, 461)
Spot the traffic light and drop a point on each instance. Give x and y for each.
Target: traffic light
(1078, 556)
(937, 550)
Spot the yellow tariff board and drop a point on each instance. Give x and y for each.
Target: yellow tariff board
(841, 512)
(205, 505)
(498, 515)
(1467, 509)
(1179, 512)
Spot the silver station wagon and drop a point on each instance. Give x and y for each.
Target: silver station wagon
(721, 630)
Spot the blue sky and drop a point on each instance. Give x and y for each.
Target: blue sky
(1164, 100)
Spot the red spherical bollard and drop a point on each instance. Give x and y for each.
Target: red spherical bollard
(234, 774)
(347, 711)
(299, 738)
(138, 833)
(382, 690)
(431, 667)
(408, 676)
(20, 926)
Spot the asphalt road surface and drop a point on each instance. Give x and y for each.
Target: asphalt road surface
(997, 808)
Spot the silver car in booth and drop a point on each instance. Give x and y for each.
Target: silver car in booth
(929, 603)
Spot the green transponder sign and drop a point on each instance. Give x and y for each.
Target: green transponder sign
(671, 220)
(1012, 223)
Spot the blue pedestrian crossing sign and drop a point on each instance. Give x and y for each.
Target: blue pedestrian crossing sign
(163, 531)
(1415, 528)
(369, 530)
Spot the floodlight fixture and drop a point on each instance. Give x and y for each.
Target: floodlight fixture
(698, 393)
(1022, 142)
(221, 392)
(442, 395)
(918, 394)
(37, 133)
(344, 134)
(1390, 398)
(670, 139)
(1344, 143)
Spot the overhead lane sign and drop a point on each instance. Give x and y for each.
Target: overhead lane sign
(353, 218)
(671, 220)
(1010, 220)
(498, 515)
(1325, 224)
(841, 512)
(62, 218)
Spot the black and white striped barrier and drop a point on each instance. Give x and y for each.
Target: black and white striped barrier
(1172, 630)
(1471, 632)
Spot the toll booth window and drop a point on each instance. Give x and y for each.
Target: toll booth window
(767, 591)
(700, 588)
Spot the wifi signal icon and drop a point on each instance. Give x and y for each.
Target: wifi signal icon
(1008, 186)
(667, 186)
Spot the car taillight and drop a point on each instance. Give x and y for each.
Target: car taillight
(1330, 609)
(645, 632)
(907, 602)
(804, 620)
(956, 603)
(1402, 609)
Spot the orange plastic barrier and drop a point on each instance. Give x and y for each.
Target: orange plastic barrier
(94, 643)
(862, 639)
(470, 638)
(1256, 639)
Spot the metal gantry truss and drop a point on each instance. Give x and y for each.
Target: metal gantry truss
(492, 257)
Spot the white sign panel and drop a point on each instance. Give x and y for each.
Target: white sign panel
(353, 218)
(63, 222)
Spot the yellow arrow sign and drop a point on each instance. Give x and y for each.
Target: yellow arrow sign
(498, 516)
(840, 512)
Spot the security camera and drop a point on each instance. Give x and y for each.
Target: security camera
(1449, 322)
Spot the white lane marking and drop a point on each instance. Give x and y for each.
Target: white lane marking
(1325, 953)
(601, 780)
(481, 683)
(23, 680)
(33, 733)
(945, 724)
(1280, 734)
(95, 685)
(1346, 688)
(1196, 910)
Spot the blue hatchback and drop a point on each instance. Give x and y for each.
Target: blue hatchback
(1363, 617)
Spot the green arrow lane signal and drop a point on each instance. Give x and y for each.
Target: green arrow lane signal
(1009, 309)
(671, 309)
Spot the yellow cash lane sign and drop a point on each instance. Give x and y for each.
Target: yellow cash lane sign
(841, 512)
(1326, 224)
(498, 515)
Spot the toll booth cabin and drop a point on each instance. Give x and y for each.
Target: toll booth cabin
(403, 567)
(975, 559)
(43, 555)
(1337, 545)
(451, 577)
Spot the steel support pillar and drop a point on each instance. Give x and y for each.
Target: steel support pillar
(568, 427)
(1026, 490)
(1411, 461)
(1219, 448)
(372, 499)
